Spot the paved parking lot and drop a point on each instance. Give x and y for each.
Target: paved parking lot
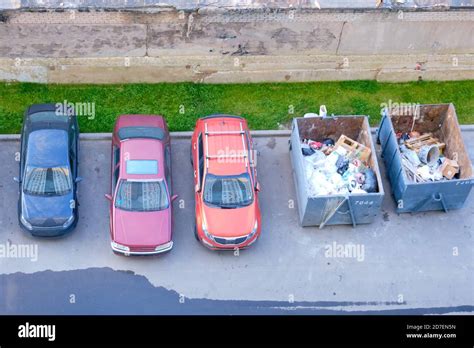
(420, 263)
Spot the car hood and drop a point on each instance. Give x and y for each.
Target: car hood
(229, 222)
(132, 228)
(47, 211)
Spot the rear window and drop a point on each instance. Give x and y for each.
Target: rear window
(141, 132)
(142, 167)
(49, 116)
(142, 195)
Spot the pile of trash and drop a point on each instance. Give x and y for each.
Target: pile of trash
(338, 167)
(423, 159)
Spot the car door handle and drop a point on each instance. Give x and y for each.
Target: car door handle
(195, 173)
(194, 146)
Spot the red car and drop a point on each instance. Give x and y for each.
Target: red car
(226, 186)
(141, 197)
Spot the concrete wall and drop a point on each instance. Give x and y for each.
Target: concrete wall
(195, 4)
(216, 45)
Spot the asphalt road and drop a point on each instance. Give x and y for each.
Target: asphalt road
(421, 263)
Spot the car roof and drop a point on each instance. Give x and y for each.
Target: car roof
(225, 144)
(141, 149)
(48, 148)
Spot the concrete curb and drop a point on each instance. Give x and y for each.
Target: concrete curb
(175, 135)
(184, 135)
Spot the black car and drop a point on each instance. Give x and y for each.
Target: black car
(47, 204)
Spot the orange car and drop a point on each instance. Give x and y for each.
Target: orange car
(226, 186)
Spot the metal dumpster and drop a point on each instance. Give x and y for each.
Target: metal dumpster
(441, 120)
(335, 209)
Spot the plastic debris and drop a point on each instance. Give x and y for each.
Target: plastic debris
(306, 150)
(424, 172)
(411, 155)
(370, 184)
(329, 142)
(338, 167)
(315, 145)
(342, 165)
(360, 178)
(316, 159)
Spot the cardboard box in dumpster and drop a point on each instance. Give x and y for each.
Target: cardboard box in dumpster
(334, 209)
(440, 193)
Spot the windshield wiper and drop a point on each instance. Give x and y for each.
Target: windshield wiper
(229, 206)
(212, 205)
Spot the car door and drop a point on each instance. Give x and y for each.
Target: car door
(252, 158)
(73, 161)
(115, 172)
(115, 168)
(75, 144)
(168, 169)
(197, 149)
(200, 169)
(23, 146)
(21, 159)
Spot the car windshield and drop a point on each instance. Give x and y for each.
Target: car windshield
(142, 195)
(228, 191)
(55, 181)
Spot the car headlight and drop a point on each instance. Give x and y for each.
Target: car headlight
(119, 246)
(165, 246)
(25, 223)
(206, 232)
(69, 221)
(255, 228)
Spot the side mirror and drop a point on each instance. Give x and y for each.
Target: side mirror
(257, 187)
(197, 188)
(174, 197)
(109, 197)
(78, 179)
(16, 179)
